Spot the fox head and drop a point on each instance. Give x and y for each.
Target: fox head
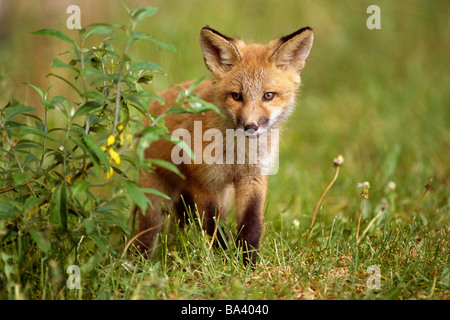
(255, 85)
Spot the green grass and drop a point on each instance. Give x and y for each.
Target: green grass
(411, 255)
(378, 97)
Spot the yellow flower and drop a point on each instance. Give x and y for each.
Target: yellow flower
(115, 156)
(111, 140)
(33, 211)
(109, 174)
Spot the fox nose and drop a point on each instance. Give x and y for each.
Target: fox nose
(251, 128)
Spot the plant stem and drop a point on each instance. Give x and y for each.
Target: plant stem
(87, 117)
(359, 221)
(119, 84)
(137, 236)
(427, 188)
(215, 231)
(44, 143)
(372, 221)
(320, 201)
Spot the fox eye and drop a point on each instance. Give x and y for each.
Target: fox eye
(268, 96)
(236, 96)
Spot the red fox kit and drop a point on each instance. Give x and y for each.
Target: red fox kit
(254, 86)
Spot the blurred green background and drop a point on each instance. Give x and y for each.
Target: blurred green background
(378, 97)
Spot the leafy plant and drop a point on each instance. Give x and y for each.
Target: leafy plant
(64, 189)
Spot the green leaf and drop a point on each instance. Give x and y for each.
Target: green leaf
(56, 63)
(19, 178)
(7, 210)
(103, 24)
(193, 86)
(94, 149)
(41, 240)
(59, 208)
(133, 98)
(111, 218)
(31, 203)
(88, 107)
(146, 65)
(166, 165)
(96, 29)
(90, 72)
(147, 79)
(101, 243)
(126, 8)
(148, 135)
(94, 95)
(136, 194)
(56, 33)
(137, 36)
(197, 105)
(13, 111)
(38, 90)
(162, 44)
(34, 131)
(160, 100)
(59, 100)
(78, 188)
(143, 13)
(151, 134)
(155, 192)
(89, 225)
(181, 144)
(106, 77)
(109, 52)
(92, 156)
(47, 104)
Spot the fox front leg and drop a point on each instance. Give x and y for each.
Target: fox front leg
(250, 198)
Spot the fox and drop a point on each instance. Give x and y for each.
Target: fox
(254, 86)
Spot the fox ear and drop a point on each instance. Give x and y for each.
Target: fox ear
(292, 51)
(220, 52)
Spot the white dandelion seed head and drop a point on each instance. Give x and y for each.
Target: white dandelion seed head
(338, 161)
(391, 185)
(364, 185)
